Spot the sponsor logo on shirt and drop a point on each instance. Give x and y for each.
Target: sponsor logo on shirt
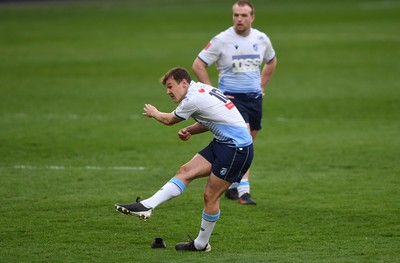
(246, 63)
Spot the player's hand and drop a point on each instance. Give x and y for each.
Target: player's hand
(149, 110)
(184, 135)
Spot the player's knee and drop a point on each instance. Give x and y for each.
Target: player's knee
(183, 170)
(210, 196)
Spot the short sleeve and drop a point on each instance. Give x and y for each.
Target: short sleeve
(211, 51)
(185, 109)
(269, 51)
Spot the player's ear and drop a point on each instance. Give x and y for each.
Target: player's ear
(185, 83)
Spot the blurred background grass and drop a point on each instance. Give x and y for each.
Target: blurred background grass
(74, 76)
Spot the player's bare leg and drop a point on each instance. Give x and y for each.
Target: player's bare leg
(195, 168)
(215, 187)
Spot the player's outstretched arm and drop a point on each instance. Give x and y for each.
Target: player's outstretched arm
(163, 117)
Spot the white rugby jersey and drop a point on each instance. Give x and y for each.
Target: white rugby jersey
(208, 106)
(238, 59)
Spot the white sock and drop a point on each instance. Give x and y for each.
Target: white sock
(171, 189)
(233, 185)
(244, 187)
(207, 227)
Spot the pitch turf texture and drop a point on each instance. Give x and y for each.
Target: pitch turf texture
(73, 81)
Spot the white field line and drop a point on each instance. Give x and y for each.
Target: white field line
(62, 117)
(60, 167)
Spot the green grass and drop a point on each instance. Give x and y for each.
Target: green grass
(73, 81)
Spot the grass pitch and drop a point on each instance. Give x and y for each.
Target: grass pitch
(73, 81)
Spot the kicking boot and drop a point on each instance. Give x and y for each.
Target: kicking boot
(246, 199)
(136, 209)
(232, 193)
(189, 246)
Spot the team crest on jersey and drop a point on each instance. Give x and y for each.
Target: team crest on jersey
(201, 90)
(255, 47)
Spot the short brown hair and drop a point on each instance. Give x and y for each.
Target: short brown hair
(178, 74)
(244, 3)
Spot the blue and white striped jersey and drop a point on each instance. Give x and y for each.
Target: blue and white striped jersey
(238, 59)
(208, 106)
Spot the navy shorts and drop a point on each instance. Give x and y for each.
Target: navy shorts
(228, 163)
(250, 106)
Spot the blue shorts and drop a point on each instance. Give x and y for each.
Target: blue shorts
(250, 106)
(228, 163)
